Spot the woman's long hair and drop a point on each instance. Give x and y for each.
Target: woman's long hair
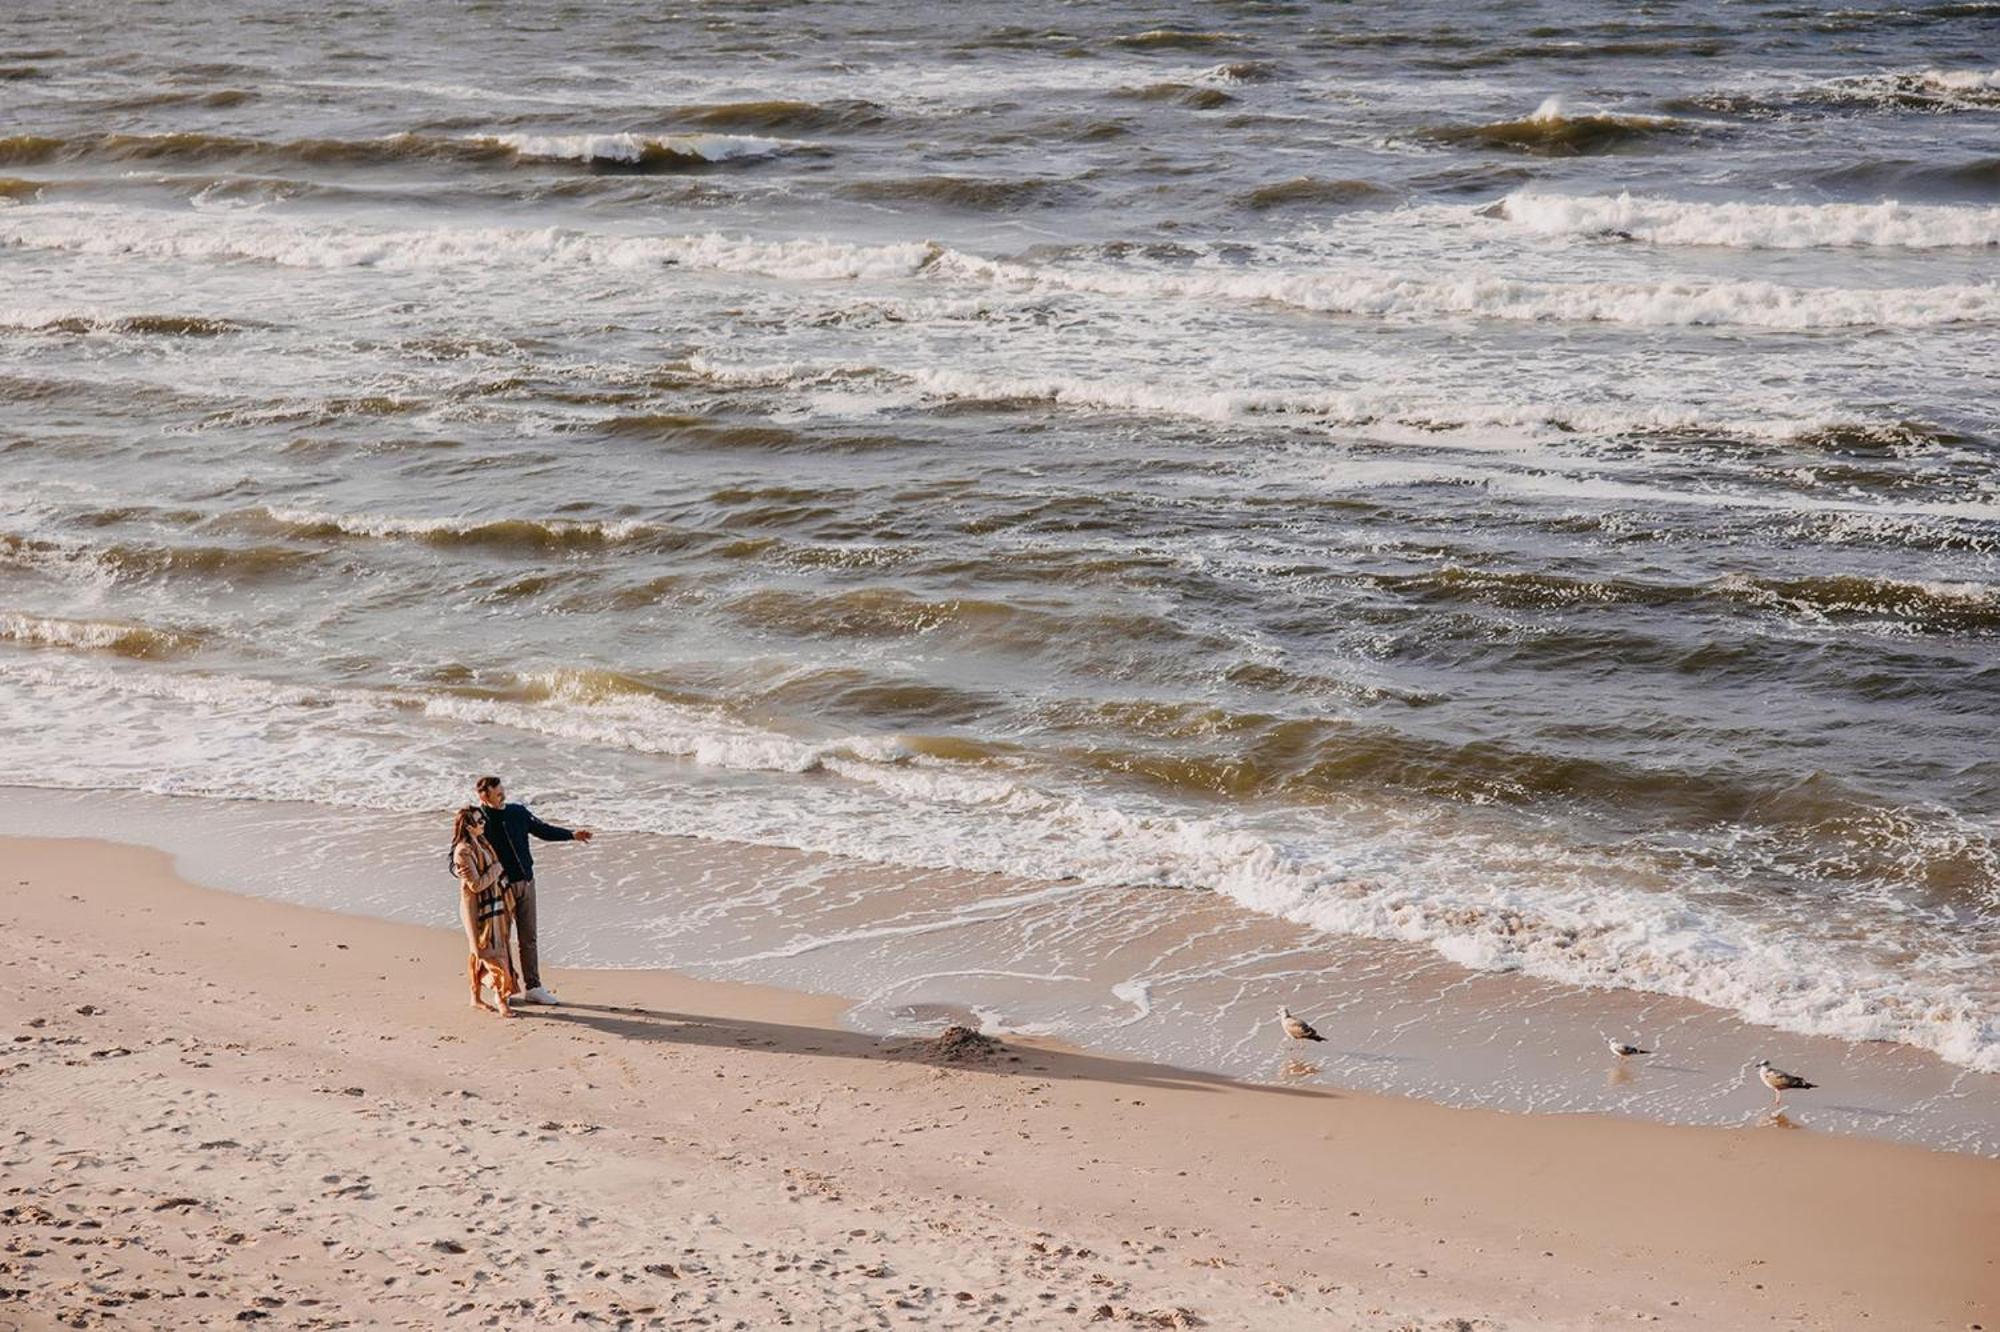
(461, 827)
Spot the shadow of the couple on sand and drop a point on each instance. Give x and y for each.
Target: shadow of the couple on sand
(688, 1029)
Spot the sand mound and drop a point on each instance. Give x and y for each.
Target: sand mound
(959, 1044)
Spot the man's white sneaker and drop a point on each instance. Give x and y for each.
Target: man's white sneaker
(541, 994)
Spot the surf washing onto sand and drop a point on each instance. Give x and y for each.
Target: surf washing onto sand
(1533, 501)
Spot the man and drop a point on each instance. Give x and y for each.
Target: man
(508, 828)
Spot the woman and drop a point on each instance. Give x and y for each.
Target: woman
(485, 906)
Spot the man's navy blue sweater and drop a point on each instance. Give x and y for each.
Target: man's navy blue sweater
(508, 829)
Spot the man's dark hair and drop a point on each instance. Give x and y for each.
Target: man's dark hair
(485, 784)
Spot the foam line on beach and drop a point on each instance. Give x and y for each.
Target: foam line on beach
(1408, 878)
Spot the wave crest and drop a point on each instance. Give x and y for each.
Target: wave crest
(1752, 225)
(1553, 132)
(155, 325)
(1329, 407)
(517, 533)
(1173, 39)
(125, 640)
(642, 152)
(630, 151)
(1359, 291)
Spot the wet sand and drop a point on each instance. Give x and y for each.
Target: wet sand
(224, 1109)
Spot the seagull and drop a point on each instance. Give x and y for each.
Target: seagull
(1781, 1082)
(1297, 1027)
(1624, 1049)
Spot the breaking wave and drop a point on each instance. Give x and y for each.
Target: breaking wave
(1362, 292)
(1552, 131)
(1331, 407)
(147, 325)
(1685, 302)
(126, 640)
(143, 561)
(515, 533)
(642, 152)
(1173, 39)
(597, 708)
(87, 229)
(1919, 607)
(1752, 225)
(1929, 90)
(616, 150)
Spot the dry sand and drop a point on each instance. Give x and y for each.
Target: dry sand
(223, 1110)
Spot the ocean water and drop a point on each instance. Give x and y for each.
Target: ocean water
(1518, 487)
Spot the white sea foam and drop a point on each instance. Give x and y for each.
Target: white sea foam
(70, 319)
(93, 635)
(1353, 291)
(65, 633)
(1137, 993)
(172, 687)
(1489, 295)
(648, 725)
(783, 374)
(459, 92)
(1427, 415)
(382, 525)
(1753, 225)
(1424, 415)
(641, 728)
(1552, 111)
(1962, 80)
(1953, 89)
(631, 149)
(1931, 89)
(89, 229)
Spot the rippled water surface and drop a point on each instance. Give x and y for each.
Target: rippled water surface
(1520, 483)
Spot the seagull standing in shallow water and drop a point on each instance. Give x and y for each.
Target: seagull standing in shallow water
(1297, 1027)
(1780, 1081)
(1624, 1049)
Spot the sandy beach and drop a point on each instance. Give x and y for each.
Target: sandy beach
(220, 1109)
(989, 551)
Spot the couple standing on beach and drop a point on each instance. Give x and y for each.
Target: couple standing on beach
(490, 854)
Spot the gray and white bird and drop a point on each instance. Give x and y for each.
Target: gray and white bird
(1780, 1081)
(1297, 1027)
(1624, 1049)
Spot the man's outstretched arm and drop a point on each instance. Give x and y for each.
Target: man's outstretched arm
(548, 832)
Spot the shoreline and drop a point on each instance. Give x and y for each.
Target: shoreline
(276, 1103)
(1162, 976)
